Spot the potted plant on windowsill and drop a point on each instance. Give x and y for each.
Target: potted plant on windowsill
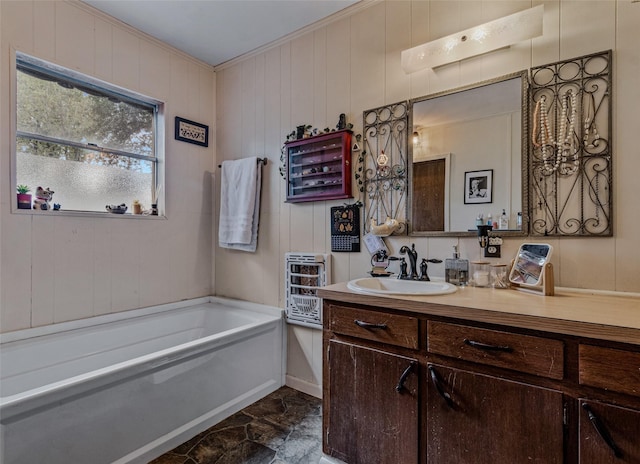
(24, 197)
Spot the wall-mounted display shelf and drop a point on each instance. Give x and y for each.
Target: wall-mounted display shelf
(319, 167)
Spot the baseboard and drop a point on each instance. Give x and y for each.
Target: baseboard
(304, 386)
(329, 460)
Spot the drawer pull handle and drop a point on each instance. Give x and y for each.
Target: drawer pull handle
(487, 347)
(435, 380)
(403, 377)
(602, 431)
(369, 325)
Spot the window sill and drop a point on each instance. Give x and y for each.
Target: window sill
(92, 214)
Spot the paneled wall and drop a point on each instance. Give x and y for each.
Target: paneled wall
(56, 268)
(353, 64)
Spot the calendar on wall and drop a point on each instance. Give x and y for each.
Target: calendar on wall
(345, 228)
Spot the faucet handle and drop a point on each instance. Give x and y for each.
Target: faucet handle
(423, 268)
(403, 269)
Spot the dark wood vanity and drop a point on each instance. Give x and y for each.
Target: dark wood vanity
(481, 376)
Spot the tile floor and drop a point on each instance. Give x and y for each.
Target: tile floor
(282, 428)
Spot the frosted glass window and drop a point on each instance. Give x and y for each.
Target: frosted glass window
(91, 143)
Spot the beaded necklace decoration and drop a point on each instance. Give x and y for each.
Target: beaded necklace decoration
(556, 152)
(590, 128)
(566, 141)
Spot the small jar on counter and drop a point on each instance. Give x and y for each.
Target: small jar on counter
(499, 276)
(480, 273)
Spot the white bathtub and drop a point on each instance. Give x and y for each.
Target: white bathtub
(129, 386)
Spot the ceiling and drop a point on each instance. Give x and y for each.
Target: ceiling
(216, 31)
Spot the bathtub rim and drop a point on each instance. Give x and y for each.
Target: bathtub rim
(58, 327)
(14, 406)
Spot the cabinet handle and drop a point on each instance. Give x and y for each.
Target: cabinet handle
(369, 325)
(436, 383)
(602, 431)
(403, 377)
(485, 346)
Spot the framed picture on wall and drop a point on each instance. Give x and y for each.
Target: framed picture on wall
(478, 186)
(192, 132)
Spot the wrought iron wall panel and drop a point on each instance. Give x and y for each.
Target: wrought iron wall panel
(570, 163)
(385, 164)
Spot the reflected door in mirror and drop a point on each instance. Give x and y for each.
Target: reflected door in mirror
(429, 195)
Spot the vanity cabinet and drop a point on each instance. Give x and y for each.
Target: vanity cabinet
(371, 407)
(319, 167)
(408, 382)
(608, 434)
(482, 419)
(375, 396)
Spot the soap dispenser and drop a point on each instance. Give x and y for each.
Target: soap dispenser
(456, 270)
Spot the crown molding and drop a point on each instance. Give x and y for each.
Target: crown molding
(349, 11)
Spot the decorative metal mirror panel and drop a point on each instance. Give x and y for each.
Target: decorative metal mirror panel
(384, 159)
(571, 154)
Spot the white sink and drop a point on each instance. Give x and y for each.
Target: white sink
(386, 286)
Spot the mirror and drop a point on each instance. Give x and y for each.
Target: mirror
(467, 158)
(529, 264)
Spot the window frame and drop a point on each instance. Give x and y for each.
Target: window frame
(20, 59)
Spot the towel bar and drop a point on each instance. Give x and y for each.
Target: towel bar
(260, 160)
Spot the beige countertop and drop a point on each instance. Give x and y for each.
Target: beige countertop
(583, 314)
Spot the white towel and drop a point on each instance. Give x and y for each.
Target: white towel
(240, 204)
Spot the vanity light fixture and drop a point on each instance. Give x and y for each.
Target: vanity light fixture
(487, 37)
(416, 138)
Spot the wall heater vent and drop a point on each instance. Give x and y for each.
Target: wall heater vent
(305, 272)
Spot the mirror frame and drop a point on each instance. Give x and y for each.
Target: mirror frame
(524, 153)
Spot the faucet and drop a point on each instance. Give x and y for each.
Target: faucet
(413, 259)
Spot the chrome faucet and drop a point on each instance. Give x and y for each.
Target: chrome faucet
(413, 259)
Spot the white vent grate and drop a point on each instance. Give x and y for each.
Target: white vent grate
(305, 272)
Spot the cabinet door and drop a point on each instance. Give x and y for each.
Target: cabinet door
(479, 419)
(372, 407)
(608, 434)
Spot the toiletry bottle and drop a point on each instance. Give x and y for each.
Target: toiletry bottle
(489, 220)
(504, 221)
(519, 221)
(456, 270)
(480, 220)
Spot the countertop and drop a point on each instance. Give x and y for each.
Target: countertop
(583, 314)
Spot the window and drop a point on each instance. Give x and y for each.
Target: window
(93, 144)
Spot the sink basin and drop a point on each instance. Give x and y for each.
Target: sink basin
(378, 286)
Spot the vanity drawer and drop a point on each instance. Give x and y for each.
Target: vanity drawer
(523, 353)
(373, 325)
(610, 369)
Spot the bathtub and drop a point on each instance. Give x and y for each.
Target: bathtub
(127, 387)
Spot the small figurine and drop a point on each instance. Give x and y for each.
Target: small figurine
(117, 209)
(300, 132)
(342, 122)
(43, 197)
(56, 206)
